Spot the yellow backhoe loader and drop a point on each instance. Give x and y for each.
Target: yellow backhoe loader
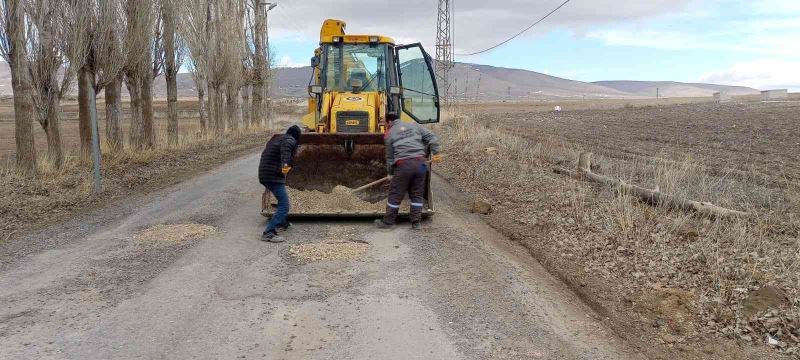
(356, 81)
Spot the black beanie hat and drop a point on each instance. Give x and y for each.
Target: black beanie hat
(294, 131)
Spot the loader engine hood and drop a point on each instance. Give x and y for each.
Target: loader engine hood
(354, 112)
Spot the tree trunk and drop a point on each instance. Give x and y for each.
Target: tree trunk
(22, 86)
(267, 105)
(24, 114)
(219, 118)
(652, 197)
(246, 107)
(148, 123)
(257, 105)
(233, 110)
(213, 110)
(52, 128)
(259, 62)
(136, 131)
(172, 107)
(201, 100)
(113, 95)
(171, 72)
(85, 85)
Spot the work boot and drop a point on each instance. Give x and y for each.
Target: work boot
(272, 237)
(416, 226)
(382, 225)
(285, 226)
(416, 214)
(391, 216)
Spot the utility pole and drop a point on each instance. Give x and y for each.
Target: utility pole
(444, 49)
(95, 140)
(478, 89)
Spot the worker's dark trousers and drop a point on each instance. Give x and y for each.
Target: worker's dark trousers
(409, 177)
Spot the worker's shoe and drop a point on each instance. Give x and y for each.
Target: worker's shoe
(272, 237)
(416, 226)
(285, 226)
(382, 225)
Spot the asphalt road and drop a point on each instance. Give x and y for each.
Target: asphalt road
(86, 289)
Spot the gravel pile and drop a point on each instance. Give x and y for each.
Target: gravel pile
(340, 199)
(174, 233)
(328, 251)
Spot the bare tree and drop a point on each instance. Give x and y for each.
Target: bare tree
(245, 91)
(214, 67)
(111, 49)
(13, 45)
(138, 69)
(103, 25)
(196, 32)
(170, 16)
(55, 32)
(259, 54)
(236, 55)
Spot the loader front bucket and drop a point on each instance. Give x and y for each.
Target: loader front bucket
(326, 168)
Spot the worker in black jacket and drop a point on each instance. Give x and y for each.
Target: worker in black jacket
(276, 162)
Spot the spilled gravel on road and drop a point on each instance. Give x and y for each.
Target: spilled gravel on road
(160, 235)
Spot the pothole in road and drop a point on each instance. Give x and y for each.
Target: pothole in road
(172, 234)
(328, 251)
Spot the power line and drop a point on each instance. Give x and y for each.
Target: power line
(519, 33)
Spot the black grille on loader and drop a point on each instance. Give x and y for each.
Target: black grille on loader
(352, 121)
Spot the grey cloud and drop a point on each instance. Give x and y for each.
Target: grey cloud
(477, 23)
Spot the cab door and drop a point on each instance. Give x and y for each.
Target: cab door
(419, 95)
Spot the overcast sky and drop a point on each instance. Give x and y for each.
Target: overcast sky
(739, 42)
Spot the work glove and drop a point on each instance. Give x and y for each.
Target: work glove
(389, 177)
(285, 170)
(436, 158)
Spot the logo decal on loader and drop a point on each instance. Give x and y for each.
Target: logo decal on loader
(352, 122)
(354, 98)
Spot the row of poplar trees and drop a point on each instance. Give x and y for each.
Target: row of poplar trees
(104, 44)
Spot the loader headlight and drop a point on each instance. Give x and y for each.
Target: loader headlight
(373, 39)
(337, 39)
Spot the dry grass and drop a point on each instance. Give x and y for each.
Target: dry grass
(721, 262)
(54, 193)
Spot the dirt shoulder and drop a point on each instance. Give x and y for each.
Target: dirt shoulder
(674, 285)
(54, 196)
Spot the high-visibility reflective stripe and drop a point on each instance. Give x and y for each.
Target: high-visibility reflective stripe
(417, 205)
(393, 206)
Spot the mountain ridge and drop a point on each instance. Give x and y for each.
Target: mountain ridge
(477, 82)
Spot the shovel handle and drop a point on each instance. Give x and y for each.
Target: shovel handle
(376, 182)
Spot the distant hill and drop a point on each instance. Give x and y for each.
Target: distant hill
(501, 83)
(473, 81)
(674, 89)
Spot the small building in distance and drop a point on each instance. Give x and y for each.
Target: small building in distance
(722, 97)
(775, 95)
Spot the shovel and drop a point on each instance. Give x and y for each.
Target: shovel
(376, 182)
(365, 187)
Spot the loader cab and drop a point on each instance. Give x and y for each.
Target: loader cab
(361, 78)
